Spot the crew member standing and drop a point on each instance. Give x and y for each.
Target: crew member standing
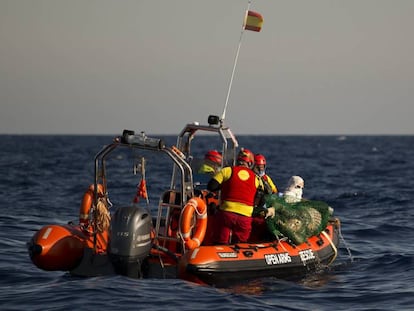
(238, 185)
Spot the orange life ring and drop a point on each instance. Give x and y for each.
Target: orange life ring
(87, 202)
(198, 206)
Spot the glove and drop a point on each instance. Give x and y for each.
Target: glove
(270, 212)
(210, 194)
(212, 208)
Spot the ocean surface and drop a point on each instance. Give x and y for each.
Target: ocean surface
(368, 180)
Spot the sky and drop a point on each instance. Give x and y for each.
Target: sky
(334, 67)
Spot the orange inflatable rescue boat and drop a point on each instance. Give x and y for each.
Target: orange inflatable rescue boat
(174, 238)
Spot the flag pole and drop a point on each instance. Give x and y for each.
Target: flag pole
(235, 63)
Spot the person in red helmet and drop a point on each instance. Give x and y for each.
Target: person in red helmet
(212, 163)
(238, 185)
(260, 170)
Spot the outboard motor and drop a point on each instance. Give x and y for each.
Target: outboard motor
(130, 240)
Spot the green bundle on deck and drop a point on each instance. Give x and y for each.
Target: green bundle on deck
(297, 221)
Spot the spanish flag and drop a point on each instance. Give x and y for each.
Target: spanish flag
(253, 21)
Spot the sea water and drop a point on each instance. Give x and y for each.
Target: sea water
(368, 180)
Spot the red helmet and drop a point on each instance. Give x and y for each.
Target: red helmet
(213, 156)
(259, 159)
(246, 155)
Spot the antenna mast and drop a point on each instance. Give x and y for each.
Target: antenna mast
(223, 116)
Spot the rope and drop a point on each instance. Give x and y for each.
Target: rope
(346, 246)
(103, 218)
(332, 245)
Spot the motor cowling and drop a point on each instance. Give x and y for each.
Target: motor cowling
(130, 239)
